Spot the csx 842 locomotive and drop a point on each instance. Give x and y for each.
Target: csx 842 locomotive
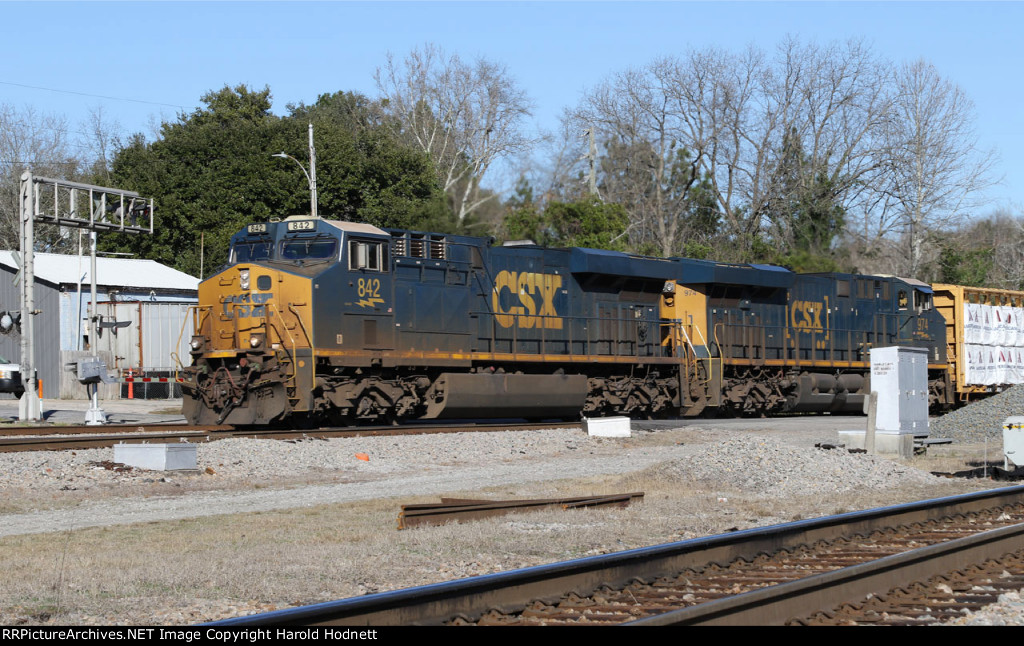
(315, 321)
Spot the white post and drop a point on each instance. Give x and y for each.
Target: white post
(869, 437)
(95, 416)
(28, 406)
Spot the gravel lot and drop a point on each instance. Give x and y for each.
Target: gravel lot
(741, 472)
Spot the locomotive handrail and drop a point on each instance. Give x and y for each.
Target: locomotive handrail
(795, 353)
(294, 377)
(615, 340)
(682, 328)
(194, 310)
(692, 365)
(298, 317)
(312, 354)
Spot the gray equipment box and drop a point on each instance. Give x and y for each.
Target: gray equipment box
(606, 426)
(1013, 443)
(900, 377)
(92, 371)
(157, 457)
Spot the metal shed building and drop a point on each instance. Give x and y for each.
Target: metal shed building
(152, 298)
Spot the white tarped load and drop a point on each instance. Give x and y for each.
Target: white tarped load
(993, 344)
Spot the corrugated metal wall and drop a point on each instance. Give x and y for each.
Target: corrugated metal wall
(145, 345)
(153, 337)
(47, 331)
(60, 328)
(151, 340)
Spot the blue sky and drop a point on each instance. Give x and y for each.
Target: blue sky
(166, 55)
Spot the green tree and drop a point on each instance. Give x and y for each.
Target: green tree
(584, 223)
(363, 172)
(212, 171)
(969, 267)
(525, 217)
(802, 212)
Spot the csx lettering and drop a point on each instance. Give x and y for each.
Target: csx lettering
(527, 285)
(246, 305)
(805, 316)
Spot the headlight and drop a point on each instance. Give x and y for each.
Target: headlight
(197, 343)
(243, 278)
(6, 374)
(256, 340)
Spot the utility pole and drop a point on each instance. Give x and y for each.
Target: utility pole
(310, 176)
(312, 169)
(592, 162)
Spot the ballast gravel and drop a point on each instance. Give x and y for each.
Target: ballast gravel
(768, 468)
(331, 471)
(69, 490)
(982, 421)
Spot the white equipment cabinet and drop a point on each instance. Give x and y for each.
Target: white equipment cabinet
(1013, 443)
(900, 377)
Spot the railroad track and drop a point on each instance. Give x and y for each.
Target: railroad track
(56, 438)
(913, 563)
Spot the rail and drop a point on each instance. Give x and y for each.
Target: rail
(558, 590)
(196, 327)
(51, 438)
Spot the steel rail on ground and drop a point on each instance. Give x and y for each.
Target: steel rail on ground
(511, 591)
(47, 438)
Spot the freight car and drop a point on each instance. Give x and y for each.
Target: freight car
(984, 338)
(315, 321)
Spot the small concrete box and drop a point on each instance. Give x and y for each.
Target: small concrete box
(1013, 442)
(900, 377)
(886, 443)
(606, 426)
(157, 457)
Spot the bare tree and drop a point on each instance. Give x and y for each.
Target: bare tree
(1008, 252)
(102, 138)
(465, 116)
(659, 128)
(935, 171)
(30, 141)
(720, 122)
(830, 103)
(557, 170)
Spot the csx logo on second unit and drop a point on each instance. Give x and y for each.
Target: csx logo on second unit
(806, 315)
(527, 286)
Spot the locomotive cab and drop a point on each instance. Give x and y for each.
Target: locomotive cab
(253, 343)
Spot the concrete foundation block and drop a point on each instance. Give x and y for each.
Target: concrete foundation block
(157, 457)
(901, 444)
(606, 426)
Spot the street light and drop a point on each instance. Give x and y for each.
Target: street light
(311, 176)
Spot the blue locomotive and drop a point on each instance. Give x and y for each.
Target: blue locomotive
(316, 321)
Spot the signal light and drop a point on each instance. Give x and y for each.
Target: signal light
(10, 322)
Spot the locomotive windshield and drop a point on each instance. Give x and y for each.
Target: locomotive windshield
(251, 250)
(309, 248)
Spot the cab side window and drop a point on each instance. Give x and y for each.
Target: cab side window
(922, 301)
(368, 255)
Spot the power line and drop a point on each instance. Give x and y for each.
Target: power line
(96, 96)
